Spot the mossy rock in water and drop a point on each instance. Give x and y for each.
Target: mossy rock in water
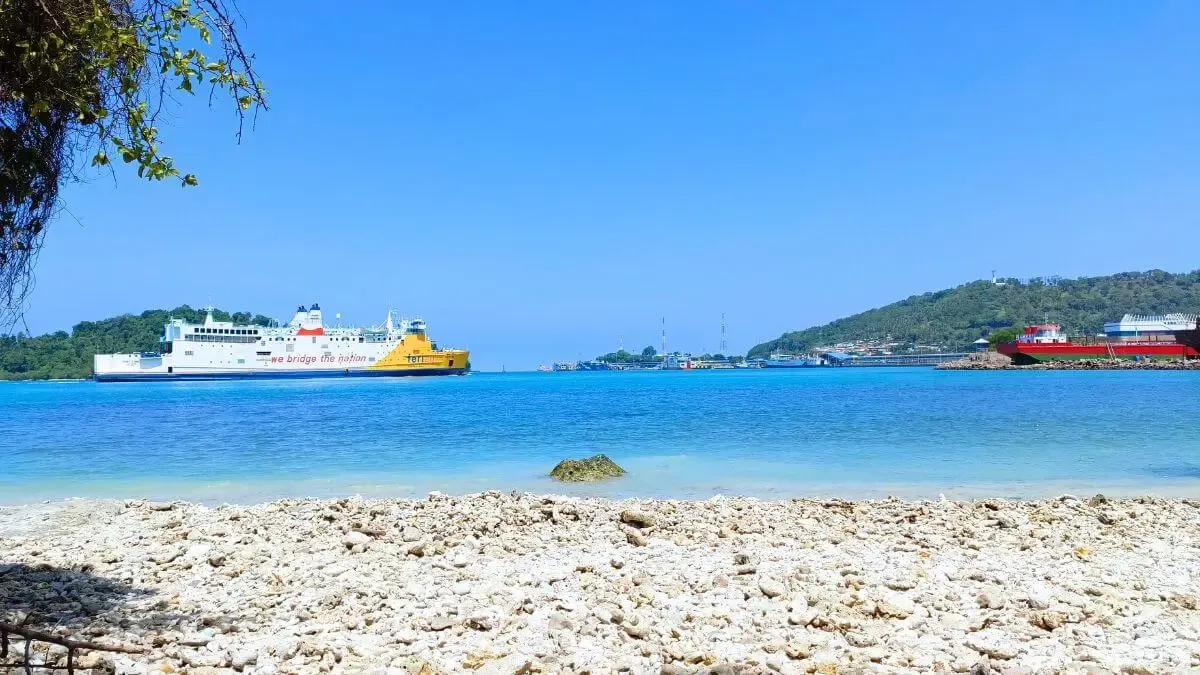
(587, 470)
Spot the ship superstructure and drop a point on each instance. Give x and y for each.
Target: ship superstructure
(304, 347)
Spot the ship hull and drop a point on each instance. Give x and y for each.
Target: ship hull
(303, 349)
(1026, 353)
(199, 375)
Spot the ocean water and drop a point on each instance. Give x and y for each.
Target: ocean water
(911, 432)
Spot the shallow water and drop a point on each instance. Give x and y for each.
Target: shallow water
(849, 432)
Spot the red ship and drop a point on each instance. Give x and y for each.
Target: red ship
(1167, 337)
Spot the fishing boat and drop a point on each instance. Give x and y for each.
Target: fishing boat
(304, 347)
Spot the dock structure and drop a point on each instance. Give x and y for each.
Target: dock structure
(839, 359)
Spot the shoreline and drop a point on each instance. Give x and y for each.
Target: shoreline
(638, 484)
(994, 361)
(503, 583)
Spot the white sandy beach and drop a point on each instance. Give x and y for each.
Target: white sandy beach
(501, 583)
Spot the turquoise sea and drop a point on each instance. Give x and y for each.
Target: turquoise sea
(911, 432)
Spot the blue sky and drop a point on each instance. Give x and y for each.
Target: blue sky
(541, 180)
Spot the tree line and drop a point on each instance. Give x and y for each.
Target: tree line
(956, 317)
(63, 355)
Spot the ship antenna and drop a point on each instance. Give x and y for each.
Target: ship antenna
(664, 336)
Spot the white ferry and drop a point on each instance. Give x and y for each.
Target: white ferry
(305, 347)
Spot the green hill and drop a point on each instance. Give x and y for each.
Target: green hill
(59, 355)
(956, 317)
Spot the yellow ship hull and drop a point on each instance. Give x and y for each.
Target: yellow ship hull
(416, 355)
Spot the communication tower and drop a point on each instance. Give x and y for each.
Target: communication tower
(723, 347)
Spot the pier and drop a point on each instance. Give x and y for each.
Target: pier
(893, 359)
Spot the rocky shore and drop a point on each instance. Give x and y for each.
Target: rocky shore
(503, 583)
(994, 361)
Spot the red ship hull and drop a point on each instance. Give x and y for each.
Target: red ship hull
(1031, 352)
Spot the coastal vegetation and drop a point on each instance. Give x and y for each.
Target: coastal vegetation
(622, 356)
(87, 80)
(61, 355)
(651, 355)
(956, 317)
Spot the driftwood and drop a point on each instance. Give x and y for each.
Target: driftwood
(30, 636)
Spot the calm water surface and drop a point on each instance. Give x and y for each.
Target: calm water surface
(847, 432)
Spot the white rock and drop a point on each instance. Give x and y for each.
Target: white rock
(990, 599)
(513, 664)
(894, 605)
(241, 658)
(772, 588)
(201, 658)
(993, 643)
(353, 539)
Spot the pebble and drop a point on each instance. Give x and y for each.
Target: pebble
(637, 518)
(505, 583)
(771, 588)
(353, 539)
(993, 643)
(1047, 619)
(990, 599)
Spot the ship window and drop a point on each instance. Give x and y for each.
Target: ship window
(189, 353)
(360, 339)
(240, 361)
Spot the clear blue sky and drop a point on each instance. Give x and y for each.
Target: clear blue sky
(542, 179)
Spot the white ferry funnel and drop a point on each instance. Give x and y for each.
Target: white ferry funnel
(314, 316)
(301, 315)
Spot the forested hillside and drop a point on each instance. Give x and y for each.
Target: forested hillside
(59, 355)
(955, 317)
